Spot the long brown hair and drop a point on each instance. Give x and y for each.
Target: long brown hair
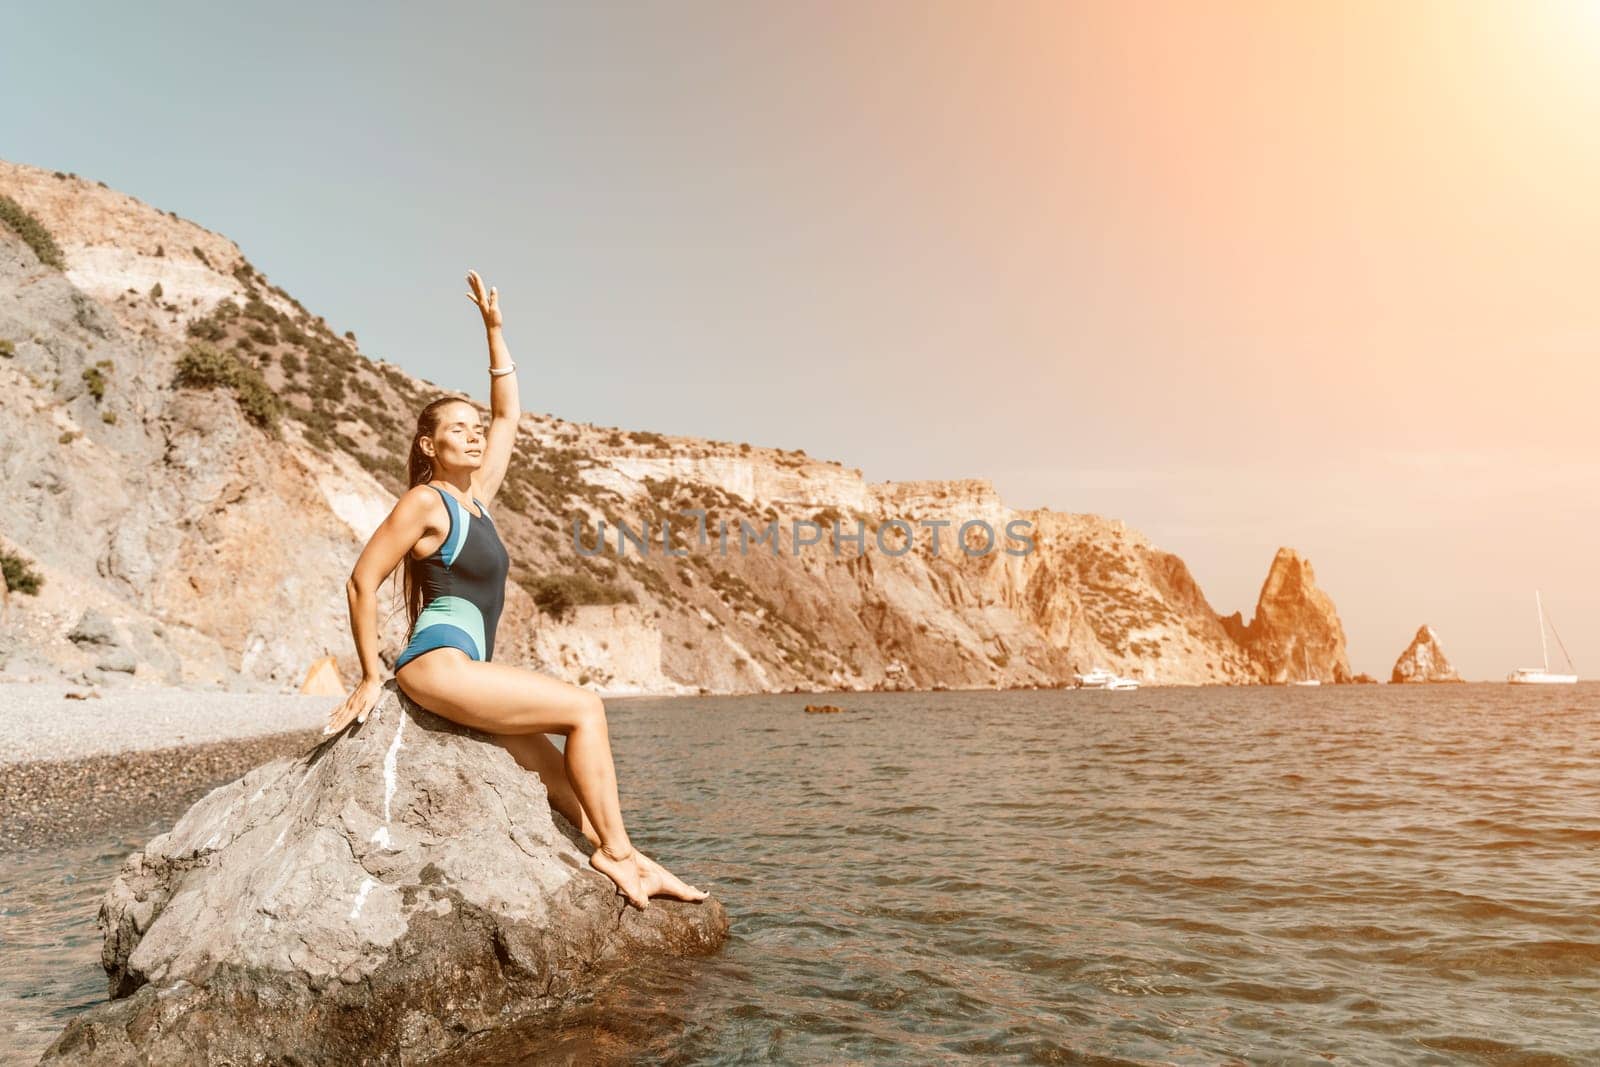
(419, 470)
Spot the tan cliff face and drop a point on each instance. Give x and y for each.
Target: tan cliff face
(216, 536)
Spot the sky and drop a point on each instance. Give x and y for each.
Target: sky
(1245, 275)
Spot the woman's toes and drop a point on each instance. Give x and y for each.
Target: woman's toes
(658, 880)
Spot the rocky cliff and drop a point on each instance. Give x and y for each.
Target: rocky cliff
(196, 458)
(1423, 660)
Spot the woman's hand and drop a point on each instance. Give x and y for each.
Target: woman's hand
(362, 700)
(489, 305)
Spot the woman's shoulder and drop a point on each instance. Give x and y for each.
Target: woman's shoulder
(423, 492)
(425, 498)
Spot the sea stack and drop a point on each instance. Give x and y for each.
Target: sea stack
(1423, 660)
(1296, 633)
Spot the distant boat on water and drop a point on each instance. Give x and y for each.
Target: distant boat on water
(1100, 678)
(1542, 675)
(1306, 667)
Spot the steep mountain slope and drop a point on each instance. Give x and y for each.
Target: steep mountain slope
(193, 462)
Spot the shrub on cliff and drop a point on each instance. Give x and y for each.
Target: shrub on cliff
(32, 232)
(207, 328)
(19, 572)
(326, 384)
(96, 379)
(557, 594)
(203, 367)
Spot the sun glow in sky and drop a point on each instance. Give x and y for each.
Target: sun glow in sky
(1245, 274)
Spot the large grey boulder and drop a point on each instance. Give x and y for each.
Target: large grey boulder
(94, 628)
(378, 899)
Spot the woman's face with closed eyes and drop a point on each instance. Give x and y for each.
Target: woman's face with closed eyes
(459, 439)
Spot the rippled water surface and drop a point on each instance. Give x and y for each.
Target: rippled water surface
(1344, 874)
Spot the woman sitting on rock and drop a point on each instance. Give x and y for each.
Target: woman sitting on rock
(455, 575)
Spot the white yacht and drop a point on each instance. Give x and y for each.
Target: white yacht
(1542, 675)
(1100, 678)
(1095, 679)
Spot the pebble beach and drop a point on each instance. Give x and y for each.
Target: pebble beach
(67, 765)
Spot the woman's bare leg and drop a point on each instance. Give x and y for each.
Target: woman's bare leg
(497, 698)
(536, 752)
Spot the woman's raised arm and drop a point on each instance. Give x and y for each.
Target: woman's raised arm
(505, 405)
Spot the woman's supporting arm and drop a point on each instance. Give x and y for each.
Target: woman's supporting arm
(364, 628)
(394, 537)
(388, 545)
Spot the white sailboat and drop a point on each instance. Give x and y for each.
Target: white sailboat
(1306, 666)
(1542, 675)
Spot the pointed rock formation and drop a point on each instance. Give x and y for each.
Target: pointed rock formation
(322, 679)
(398, 887)
(1296, 631)
(1423, 661)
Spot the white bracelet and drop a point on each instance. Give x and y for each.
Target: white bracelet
(507, 370)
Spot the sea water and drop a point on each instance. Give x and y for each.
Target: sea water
(1343, 874)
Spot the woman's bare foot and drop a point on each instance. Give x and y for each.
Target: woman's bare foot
(623, 869)
(658, 879)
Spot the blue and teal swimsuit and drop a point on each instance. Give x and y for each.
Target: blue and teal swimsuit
(463, 587)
